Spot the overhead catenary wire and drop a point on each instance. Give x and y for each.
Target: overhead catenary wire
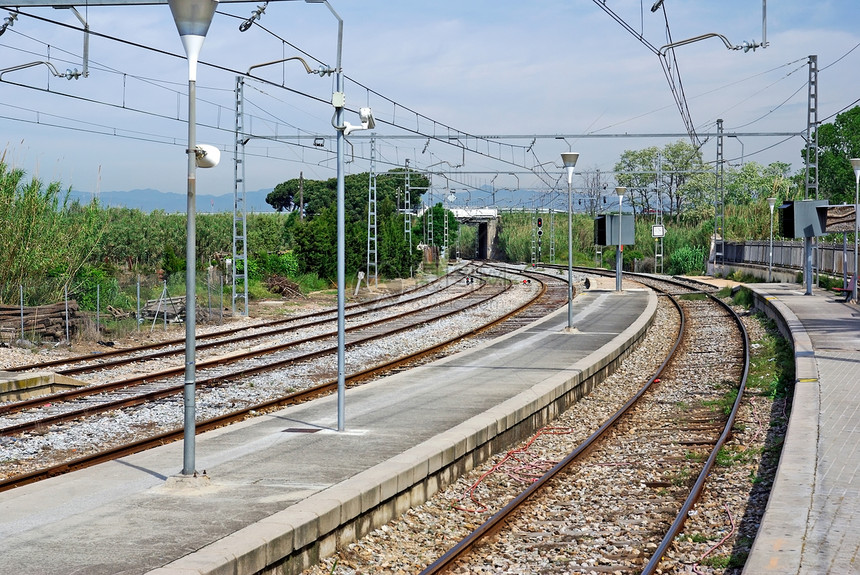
(442, 135)
(447, 135)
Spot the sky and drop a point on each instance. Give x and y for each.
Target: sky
(482, 94)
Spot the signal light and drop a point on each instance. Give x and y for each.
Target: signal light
(540, 222)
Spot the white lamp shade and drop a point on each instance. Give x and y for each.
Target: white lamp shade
(620, 190)
(855, 163)
(192, 17)
(569, 159)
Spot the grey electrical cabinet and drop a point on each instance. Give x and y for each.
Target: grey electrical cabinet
(803, 218)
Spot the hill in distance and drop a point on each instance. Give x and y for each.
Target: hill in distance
(148, 200)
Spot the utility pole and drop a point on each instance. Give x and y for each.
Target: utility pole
(719, 210)
(372, 268)
(301, 196)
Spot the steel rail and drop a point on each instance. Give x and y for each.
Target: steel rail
(212, 381)
(497, 521)
(218, 333)
(699, 486)
(239, 415)
(164, 374)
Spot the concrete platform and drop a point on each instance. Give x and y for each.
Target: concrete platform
(19, 386)
(812, 522)
(284, 488)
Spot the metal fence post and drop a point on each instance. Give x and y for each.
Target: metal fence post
(66, 298)
(21, 293)
(137, 317)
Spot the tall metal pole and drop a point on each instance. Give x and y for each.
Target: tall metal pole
(569, 250)
(188, 467)
(569, 159)
(771, 202)
(855, 163)
(338, 101)
(619, 253)
(192, 18)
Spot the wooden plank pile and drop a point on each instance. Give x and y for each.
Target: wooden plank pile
(283, 286)
(174, 308)
(171, 307)
(47, 322)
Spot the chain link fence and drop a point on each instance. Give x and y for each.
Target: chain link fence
(106, 308)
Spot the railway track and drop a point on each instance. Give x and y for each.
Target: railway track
(633, 481)
(599, 491)
(210, 342)
(364, 334)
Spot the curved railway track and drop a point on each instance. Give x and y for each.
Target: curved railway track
(278, 354)
(547, 296)
(109, 358)
(615, 503)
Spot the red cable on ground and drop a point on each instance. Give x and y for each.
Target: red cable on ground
(723, 540)
(521, 473)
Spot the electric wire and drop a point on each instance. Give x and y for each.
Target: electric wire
(161, 84)
(840, 57)
(452, 133)
(679, 94)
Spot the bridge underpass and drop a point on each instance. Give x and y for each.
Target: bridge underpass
(487, 222)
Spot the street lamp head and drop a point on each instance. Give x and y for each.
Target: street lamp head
(620, 190)
(569, 160)
(855, 163)
(192, 18)
(771, 202)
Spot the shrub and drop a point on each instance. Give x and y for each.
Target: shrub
(686, 260)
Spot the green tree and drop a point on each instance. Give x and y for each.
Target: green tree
(45, 240)
(637, 170)
(315, 241)
(838, 142)
(752, 182)
(316, 245)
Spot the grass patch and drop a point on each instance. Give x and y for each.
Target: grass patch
(725, 561)
(728, 456)
(724, 404)
(743, 298)
(694, 456)
(771, 364)
(692, 297)
(744, 277)
(681, 478)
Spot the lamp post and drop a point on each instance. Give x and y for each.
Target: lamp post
(855, 163)
(619, 253)
(770, 202)
(569, 160)
(192, 18)
(338, 100)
